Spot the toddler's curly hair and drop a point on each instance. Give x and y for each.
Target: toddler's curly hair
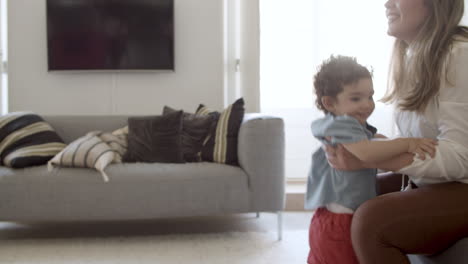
(333, 74)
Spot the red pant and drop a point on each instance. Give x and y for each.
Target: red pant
(330, 238)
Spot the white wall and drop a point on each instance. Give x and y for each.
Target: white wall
(4, 57)
(198, 77)
(250, 53)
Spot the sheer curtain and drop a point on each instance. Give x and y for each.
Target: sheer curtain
(295, 37)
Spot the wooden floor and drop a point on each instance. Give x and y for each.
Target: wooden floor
(224, 223)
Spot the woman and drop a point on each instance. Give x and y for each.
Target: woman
(429, 88)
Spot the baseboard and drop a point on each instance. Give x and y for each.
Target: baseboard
(295, 201)
(295, 194)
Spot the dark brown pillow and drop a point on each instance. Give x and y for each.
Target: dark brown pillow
(155, 139)
(195, 129)
(221, 145)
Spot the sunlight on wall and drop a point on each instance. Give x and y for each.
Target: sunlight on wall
(297, 36)
(465, 18)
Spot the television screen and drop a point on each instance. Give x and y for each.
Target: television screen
(110, 34)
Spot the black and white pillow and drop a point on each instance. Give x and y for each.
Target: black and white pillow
(221, 143)
(94, 150)
(27, 140)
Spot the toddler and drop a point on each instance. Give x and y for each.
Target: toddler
(344, 93)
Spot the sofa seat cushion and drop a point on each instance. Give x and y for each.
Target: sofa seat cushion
(135, 191)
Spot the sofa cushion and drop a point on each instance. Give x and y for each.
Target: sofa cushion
(155, 139)
(94, 150)
(135, 191)
(221, 145)
(195, 129)
(27, 140)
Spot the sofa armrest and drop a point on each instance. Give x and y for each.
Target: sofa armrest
(261, 154)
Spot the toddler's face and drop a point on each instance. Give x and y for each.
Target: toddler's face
(355, 100)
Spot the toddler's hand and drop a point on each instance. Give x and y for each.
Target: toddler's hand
(421, 146)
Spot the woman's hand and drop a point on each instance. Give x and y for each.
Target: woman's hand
(422, 146)
(341, 159)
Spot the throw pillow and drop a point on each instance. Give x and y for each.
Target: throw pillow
(195, 129)
(155, 139)
(94, 150)
(221, 144)
(118, 144)
(121, 134)
(27, 140)
(117, 140)
(121, 131)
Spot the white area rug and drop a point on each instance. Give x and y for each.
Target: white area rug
(231, 247)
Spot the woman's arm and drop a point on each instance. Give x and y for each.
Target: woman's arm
(394, 164)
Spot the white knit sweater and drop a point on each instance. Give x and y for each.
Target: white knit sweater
(446, 119)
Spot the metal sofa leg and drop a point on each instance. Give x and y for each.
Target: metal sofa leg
(280, 225)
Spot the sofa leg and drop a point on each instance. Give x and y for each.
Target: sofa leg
(258, 214)
(280, 225)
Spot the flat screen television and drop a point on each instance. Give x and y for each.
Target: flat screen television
(110, 34)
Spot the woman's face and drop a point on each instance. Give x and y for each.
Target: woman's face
(405, 18)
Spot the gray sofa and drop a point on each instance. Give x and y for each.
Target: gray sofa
(150, 190)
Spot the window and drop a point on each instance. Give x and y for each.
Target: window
(295, 37)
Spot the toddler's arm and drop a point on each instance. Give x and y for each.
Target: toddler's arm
(379, 136)
(380, 150)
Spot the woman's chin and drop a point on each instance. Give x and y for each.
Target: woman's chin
(391, 32)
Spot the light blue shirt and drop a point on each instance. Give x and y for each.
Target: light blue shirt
(327, 185)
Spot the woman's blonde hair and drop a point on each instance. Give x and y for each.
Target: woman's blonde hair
(415, 76)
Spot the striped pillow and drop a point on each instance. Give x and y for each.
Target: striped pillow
(94, 150)
(26, 140)
(221, 143)
(117, 140)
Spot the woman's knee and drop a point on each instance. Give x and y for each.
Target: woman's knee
(368, 230)
(369, 220)
(365, 216)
